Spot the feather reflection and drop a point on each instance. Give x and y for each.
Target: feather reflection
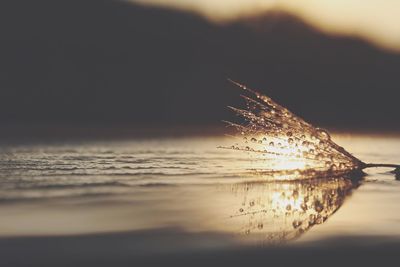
(282, 211)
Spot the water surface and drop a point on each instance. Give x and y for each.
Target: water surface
(199, 196)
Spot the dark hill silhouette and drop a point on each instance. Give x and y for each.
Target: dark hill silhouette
(106, 62)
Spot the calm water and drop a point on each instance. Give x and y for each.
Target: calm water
(187, 187)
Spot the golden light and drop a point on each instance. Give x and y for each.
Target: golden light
(280, 155)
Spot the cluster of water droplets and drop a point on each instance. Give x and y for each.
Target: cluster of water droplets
(286, 145)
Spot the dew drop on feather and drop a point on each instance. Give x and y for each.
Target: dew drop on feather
(296, 223)
(322, 144)
(271, 144)
(328, 164)
(318, 206)
(323, 135)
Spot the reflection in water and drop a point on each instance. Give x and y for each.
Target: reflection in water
(282, 211)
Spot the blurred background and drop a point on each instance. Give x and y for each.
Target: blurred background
(93, 94)
(165, 63)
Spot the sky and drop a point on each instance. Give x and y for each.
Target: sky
(375, 20)
(133, 65)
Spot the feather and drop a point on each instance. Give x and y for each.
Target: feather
(285, 146)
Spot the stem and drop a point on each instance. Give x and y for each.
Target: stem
(371, 165)
(396, 167)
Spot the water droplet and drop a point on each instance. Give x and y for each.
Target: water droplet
(328, 164)
(260, 141)
(260, 226)
(264, 139)
(288, 207)
(252, 203)
(305, 144)
(245, 138)
(323, 134)
(253, 140)
(311, 219)
(311, 151)
(322, 144)
(290, 141)
(319, 219)
(296, 224)
(303, 206)
(334, 167)
(318, 206)
(289, 134)
(247, 148)
(303, 136)
(271, 144)
(241, 210)
(247, 232)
